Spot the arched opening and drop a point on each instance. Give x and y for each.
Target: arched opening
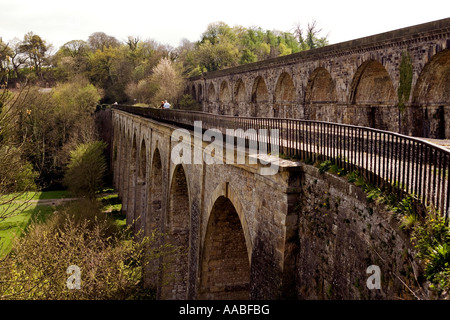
(140, 211)
(320, 88)
(177, 234)
(372, 85)
(320, 96)
(154, 209)
(124, 175)
(224, 98)
(193, 92)
(200, 93)
(225, 268)
(239, 94)
(373, 93)
(118, 164)
(211, 98)
(132, 184)
(284, 97)
(260, 97)
(432, 95)
(154, 213)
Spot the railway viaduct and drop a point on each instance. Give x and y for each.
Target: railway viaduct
(296, 233)
(397, 81)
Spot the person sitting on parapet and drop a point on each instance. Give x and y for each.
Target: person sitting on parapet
(166, 104)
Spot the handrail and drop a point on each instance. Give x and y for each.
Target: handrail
(396, 162)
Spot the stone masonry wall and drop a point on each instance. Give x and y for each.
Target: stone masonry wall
(340, 235)
(295, 234)
(354, 82)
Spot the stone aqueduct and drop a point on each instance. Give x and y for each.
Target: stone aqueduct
(355, 82)
(297, 233)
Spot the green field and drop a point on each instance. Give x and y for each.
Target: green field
(38, 212)
(15, 225)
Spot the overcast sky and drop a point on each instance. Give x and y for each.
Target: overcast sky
(169, 21)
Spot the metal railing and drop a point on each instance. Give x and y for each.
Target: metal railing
(395, 162)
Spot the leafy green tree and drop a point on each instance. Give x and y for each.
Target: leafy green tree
(5, 61)
(217, 32)
(86, 170)
(212, 57)
(72, 59)
(35, 48)
(222, 47)
(54, 123)
(111, 70)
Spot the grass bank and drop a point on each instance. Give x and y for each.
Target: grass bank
(36, 211)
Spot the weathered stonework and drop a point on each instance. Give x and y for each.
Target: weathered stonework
(354, 82)
(340, 235)
(247, 235)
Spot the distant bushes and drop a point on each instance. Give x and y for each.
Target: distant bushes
(187, 102)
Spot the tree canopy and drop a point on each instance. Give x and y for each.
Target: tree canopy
(120, 68)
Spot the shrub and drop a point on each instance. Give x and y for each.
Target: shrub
(432, 240)
(187, 102)
(111, 261)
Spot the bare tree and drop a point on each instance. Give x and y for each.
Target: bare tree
(309, 38)
(12, 186)
(100, 41)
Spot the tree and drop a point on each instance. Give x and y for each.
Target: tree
(217, 32)
(72, 58)
(311, 39)
(168, 81)
(5, 61)
(35, 49)
(18, 58)
(101, 41)
(86, 170)
(222, 47)
(54, 123)
(17, 175)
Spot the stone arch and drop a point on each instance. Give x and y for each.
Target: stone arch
(211, 97)
(200, 92)
(124, 174)
(259, 98)
(211, 92)
(432, 93)
(225, 267)
(193, 92)
(153, 218)
(177, 232)
(117, 153)
(224, 93)
(141, 194)
(155, 192)
(240, 97)
(131, 218)
(224, 98)
(373, 95)
(320, 88)
(284, 96)
(372, 85)
(259, 90)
